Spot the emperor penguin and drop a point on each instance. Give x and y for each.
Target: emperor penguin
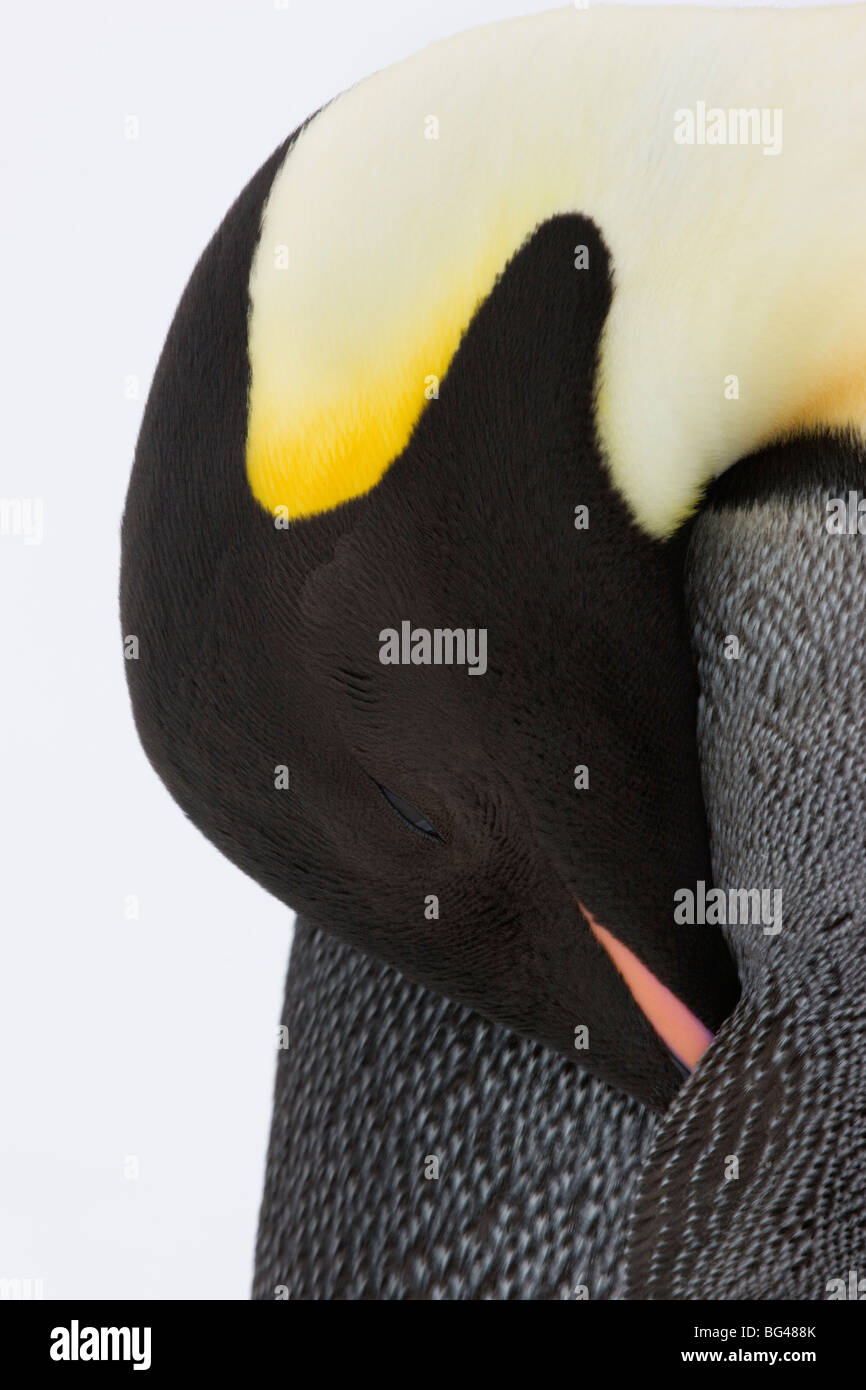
(404, 539)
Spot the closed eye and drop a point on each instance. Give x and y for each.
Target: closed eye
(409, 813)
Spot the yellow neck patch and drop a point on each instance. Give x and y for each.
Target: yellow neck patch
(385, 229)
(339, 441)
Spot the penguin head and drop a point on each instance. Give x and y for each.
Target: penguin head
(450, 719)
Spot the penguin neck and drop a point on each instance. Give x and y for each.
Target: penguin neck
(780, 720)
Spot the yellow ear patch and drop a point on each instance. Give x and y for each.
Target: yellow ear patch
(337, 445)
(348, 341)
(378, 244)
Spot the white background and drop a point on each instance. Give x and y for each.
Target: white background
(155, 1037)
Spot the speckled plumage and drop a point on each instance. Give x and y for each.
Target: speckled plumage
(544, 1180)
